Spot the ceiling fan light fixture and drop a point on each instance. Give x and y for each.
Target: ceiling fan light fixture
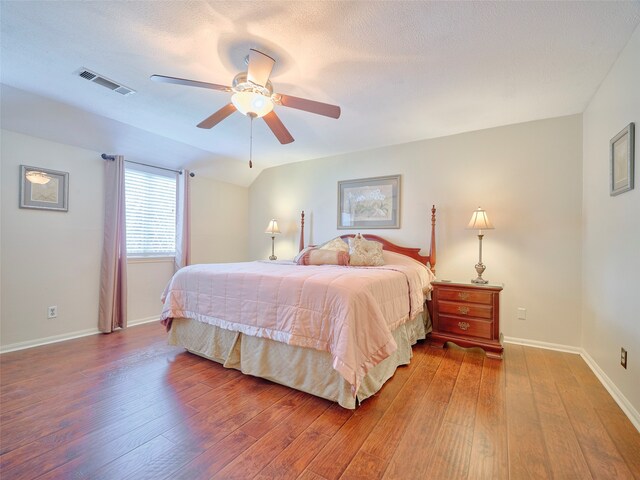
(249, 102)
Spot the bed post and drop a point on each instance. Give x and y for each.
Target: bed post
(432, 248)
(301, 231)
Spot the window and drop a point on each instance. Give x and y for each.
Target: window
(151, 213)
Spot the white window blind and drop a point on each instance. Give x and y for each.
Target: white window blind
(151, 214)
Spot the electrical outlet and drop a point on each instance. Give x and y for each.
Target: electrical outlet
(52, 312)
(623, 358)
(522, 313)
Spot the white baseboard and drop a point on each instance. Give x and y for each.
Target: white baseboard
(549, 346)
(67, 336)
(617, 395)
(47, 340)
(140, 321)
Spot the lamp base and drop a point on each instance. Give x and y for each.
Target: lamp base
(480, 268)
(273, 253)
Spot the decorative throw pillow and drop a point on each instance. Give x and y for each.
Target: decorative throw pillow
(316, 256)
(336, 244)
(305, 250)
(363, 252)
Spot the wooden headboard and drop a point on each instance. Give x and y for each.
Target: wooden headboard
(392, 247)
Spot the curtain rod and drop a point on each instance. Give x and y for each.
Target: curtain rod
(179, 172)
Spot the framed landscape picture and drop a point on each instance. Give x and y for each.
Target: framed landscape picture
(44, 189)
(369, 203)
(621, 151)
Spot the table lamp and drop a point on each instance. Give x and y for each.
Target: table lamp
(480, 221)
(273, 230)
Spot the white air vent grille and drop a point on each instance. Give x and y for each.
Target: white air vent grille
(88, 75)
(123, 90)
(105, 82)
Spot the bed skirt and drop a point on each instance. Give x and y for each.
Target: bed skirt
(300, 368)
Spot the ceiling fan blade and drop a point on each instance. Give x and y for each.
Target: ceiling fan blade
(189, 83)
(217, 117)
(278, 128)
(312, 106)
(260, 66)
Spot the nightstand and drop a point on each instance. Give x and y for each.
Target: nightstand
(466, 314)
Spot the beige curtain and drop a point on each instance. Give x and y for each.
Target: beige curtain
(183, 222)
(113, 273)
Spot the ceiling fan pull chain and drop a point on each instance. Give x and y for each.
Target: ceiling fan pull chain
(251, 142)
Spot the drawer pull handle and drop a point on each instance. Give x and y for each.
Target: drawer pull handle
(463, 326)
(463, 310)
(463, 295)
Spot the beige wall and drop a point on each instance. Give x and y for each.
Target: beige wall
(53, 258)
(146, 280)
(50, 258)
(219, 213)
(611, 230)
(527, 177)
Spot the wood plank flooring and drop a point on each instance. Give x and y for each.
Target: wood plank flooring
(128, 406)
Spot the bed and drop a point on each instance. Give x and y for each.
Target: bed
(332, 331)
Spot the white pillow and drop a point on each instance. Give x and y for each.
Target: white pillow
(336, 244)
(395, 258)
(365, 253)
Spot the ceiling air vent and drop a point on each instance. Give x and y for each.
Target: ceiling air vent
(105, 82)
(88, 75)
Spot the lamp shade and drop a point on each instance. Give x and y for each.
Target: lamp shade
(479, 221)
(272, 228)
(252, 102)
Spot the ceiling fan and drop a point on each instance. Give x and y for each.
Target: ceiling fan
(252, 95)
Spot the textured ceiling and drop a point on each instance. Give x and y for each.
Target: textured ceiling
(401, 71)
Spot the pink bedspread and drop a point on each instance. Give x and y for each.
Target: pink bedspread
(347, 311)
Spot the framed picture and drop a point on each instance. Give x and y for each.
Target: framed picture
(44, 189)
(369, 203)
(621, 151)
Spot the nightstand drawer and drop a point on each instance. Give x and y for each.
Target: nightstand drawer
(466, 314)
(470, 296)
(465, 326)
(465, 309)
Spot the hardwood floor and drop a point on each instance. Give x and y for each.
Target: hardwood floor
(126, 405)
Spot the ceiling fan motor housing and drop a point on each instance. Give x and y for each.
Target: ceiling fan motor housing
(242, 84)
